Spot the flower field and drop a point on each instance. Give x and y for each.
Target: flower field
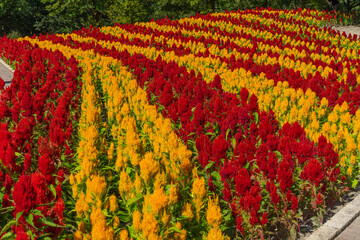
(220, 126)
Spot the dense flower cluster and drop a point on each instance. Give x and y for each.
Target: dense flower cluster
(37, 113)
(259, 108)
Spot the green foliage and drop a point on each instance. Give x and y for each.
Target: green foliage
(131, 11)
(28, 17)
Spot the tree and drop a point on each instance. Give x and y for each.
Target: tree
(16, 17)
(78, 13)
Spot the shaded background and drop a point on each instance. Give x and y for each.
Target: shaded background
(27, 17)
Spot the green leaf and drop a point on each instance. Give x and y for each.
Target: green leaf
(37, 212)
(354, 183)
(216, 176)
(52, 189)
(256, 115)
(8, 235)
(17, 154)
(18, 215)
(49, 223)
(30, 220)
(174, 229)
(209, 165)
(7, 226)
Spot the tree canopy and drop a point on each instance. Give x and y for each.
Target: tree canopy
(27, 17)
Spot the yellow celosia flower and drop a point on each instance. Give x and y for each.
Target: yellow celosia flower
(78, 235)
(186, 166)
(125, 110)
(173, 195)
(198, 188)
(116, 222)
(215, 234)
(96, 185)
(349, 171)
(74, 189)
(81, 205)
(121, 161)
(165, 218)
(213, 213)
(148, 167)
(125, 184)
(188, 211)
(342, 162)
(149, 224)
(99, 229)
(137, 221)
(81, 227)
(160, 180)
(158, 201)
(182, 235)
(352, 159)
(111, 152)
(113, 203)
(134, 157)
(124, 235)
(72, 179)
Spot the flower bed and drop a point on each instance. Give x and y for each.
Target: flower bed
(260, 104)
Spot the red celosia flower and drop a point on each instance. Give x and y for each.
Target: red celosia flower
(270, 186)
(2, 84)
(284, 175)
(59, 209)
(264, 219)
(319, 200)
(46, 166)
(6, 201)
(239, 222)
(294, 203)
(253, 219)
(4, 110)
(8, 183)
(313, 172)
(219, 148)
(10, 158)
(20, 233)
(27, 162)
(24, 195)
(60, 175)
(242, 182)
(227, 192)
(40, 185)
(166, 95)
(244, 94)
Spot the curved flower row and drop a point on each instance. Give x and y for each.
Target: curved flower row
(37, 115)
(331, 174)
(152, 168)
(269, 113)
(288, 104)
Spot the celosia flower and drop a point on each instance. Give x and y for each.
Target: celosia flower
(124, 235)
(96, 185)
(188, 211)
(125, 183)
(242, 182)
(148, 167)
(313, 172)
(24, 195)
(113, 203)
(215, 234)
(149, 224)
(137, 220)
(213, 212)
(180, 235)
